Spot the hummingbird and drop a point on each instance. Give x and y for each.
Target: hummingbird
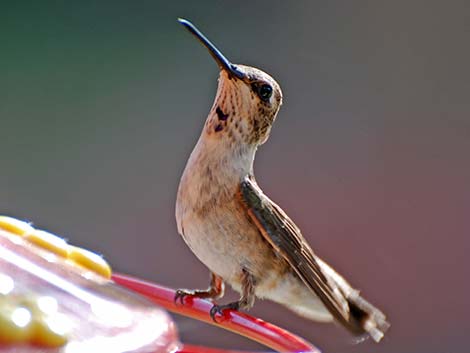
(243, 237)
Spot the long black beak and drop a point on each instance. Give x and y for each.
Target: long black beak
(221, 60)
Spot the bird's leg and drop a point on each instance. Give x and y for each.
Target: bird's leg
(246, 301)
(216, 290)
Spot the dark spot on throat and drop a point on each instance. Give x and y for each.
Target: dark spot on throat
(218, 128)
(220, 114)
(256, 128)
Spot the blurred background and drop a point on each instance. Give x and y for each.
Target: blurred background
(102, 102)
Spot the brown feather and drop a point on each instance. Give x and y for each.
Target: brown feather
(285, 237)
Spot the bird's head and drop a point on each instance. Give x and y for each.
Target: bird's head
(246, 103)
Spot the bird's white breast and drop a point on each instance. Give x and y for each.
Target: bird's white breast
(208, 216)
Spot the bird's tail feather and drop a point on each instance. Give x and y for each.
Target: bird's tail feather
(368, 318)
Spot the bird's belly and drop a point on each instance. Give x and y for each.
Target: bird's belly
(227, 242)
(213, 248)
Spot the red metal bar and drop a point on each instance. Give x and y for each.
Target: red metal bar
(255, 329)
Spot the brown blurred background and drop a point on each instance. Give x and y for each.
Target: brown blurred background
(102, 102)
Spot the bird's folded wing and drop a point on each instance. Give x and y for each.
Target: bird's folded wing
(285, 237)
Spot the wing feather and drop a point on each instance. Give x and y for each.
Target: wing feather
(343, 301)
(282, 233)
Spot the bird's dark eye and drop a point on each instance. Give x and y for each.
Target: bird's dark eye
(265, 92)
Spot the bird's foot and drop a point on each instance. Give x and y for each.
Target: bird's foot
(180, 294)
(219, 309)
(215, 290)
